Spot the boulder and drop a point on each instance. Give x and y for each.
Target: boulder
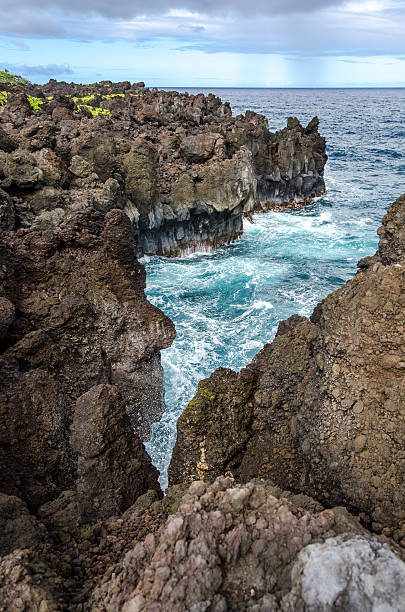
(355, 573)
(237, 547)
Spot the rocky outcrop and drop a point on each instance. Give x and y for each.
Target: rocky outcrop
(26, 580)
(222, 547)
(183, 169)
(80, 360)
(317, 413)
(321, 409)
(236, 547)
(112, 467)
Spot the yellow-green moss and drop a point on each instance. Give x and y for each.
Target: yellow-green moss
(204, 392)
(88, 98)
(3, 97)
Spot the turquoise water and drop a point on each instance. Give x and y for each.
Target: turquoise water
(227, 305)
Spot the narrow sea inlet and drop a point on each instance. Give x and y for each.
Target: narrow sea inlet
(226, 305)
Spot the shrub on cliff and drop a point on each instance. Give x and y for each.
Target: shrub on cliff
(7, 77)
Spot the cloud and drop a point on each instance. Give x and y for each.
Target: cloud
(16, 20)
(48, 70)
(19, 43)
(290, 27)
(51, 18)
(128, 9)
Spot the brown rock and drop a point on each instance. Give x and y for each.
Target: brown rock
(61, 113)
(7, 144)
(141, 150)
(82, 320)
(321, 409)
(236, 547)
(7, 314)
(199, 148)
(7, 212)
(113, 468)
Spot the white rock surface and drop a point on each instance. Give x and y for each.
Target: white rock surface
(347, 573)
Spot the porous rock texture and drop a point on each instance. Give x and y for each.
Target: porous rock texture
(79, 353)
(321, 409)
(182, 168)
(223, 547)
(346, 573)
(237, 547)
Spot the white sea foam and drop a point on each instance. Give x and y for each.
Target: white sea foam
(227, 304)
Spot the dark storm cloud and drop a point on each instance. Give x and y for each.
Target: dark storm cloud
(128, 9)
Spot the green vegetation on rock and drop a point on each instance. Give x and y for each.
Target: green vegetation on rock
(35, 102)
(87, 98)
(110, 96)
(3, 97)
(14, 79)
(95, 111)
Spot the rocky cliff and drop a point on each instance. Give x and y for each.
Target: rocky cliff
(320, 410)
(82, 522)
(80, 357)
(183, 169)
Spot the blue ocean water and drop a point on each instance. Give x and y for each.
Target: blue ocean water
(226, 305)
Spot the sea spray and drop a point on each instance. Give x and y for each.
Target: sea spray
(226, 305)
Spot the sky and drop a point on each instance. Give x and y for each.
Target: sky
(207, 43)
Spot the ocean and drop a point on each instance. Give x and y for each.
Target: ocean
(227, 304)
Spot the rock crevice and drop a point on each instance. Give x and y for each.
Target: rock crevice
(320, 410)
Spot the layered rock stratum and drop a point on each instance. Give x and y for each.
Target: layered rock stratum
(183, 169)
(320, 410)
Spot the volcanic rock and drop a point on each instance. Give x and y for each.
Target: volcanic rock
(80, 346)
(111, 460)
(320, 410)
(183, 169)
(236, 547)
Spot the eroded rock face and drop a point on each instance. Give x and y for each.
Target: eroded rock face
(79, 341)
(184, 170)
(223, 547)
(236, 547)
(321, 409)
(111, 460)
(347, 573)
